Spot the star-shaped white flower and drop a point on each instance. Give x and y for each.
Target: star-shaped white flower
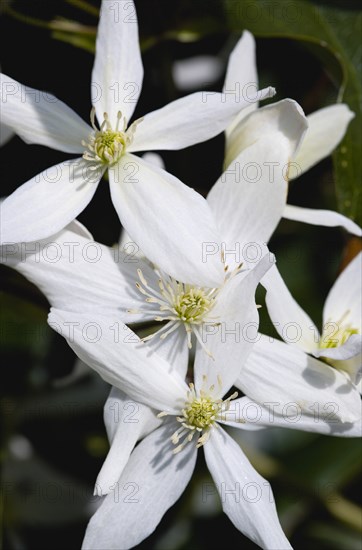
(326, 128)
(148, 201)
(162, 463)
(222, 320)
(340, 343)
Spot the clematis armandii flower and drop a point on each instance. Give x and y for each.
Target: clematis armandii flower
(162, 463)
(340, 344)
(326, 128)
(146, 199)
(78, 274)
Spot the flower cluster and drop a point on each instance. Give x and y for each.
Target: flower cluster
(191, 279)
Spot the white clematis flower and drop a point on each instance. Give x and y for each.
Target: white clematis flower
(340, 343)
(78, 274)
(143, 195)
(162, 463)
(326, 128)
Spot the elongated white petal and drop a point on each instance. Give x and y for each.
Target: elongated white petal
(245, 413)
(289, 319)
(155, 159)
(346, 358)
(152, 481)
(169, 221)
(246, 497)
(242, 74)
(350, 349)
(39, 117)
(48, 202)
(77, 274)
(284, 376)
(116, 353)
(127, 422)
(249, 198)
(192, 119)
(326, 129)
(79, 229)
(230, 332)
(247, 203)
(283, 121)
(326, 218)
(117, 72)
(343, 303)
(173, 349)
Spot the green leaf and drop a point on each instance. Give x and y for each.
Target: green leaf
(322, 29)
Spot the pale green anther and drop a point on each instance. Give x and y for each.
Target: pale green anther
(109, 146)
(201, 413)
(192, 305)
(338, 337)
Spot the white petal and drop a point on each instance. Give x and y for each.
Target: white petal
(117, 72)
(352, 366)
(326, 218)
(120, 358)
(289, 319)
(282, 375)
(39, 117)
(327, 128)
(249, 198)
(79, 229)
(231, 341)
(6, 134)
(152, 481)
(48, 202)
(345, 296)
(192, 119)
(173, 349)
(246, 497)
(255, 415)
(247, 203)
(283, 121)
(156, 209)
(127, 422)
(242, 74)
(351, 348)
(155, 159)
(77, 274)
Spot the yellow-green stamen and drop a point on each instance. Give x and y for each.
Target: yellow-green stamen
(200, 414)
(107, 145)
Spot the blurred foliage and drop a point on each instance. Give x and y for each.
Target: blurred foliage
(54, 438)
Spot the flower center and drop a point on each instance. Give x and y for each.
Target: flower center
(192, 305)
(177, 303)
(337, 334)
(337, 338)
(106, 145)
(200, 414)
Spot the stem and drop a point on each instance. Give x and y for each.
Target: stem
(83, 5)
(345, 511)
(65, 26)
